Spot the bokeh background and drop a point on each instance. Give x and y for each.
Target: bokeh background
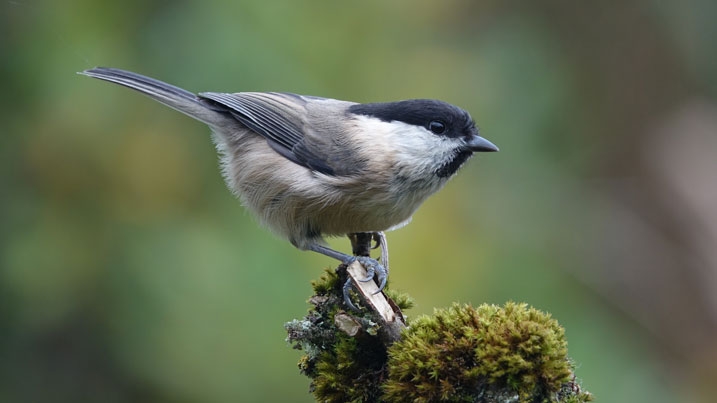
(129, 273)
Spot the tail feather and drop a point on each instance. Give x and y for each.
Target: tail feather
(174, 97)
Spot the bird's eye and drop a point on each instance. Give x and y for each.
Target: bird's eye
(437, 127)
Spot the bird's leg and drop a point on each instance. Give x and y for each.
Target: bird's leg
(373, 268)
(361, 243)
(380, 239)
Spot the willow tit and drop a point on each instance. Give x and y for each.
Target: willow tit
(310, 167)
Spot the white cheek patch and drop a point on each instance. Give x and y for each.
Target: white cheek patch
(413, 150)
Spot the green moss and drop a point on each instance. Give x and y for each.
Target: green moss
(477, 354)
(486, 354)
(402, 300)
(350, 371)
(327, 283)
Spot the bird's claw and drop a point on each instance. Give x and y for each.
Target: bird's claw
(373, 269)
(347, 298)
(376, 237)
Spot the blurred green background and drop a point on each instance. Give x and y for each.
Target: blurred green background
(129, 273)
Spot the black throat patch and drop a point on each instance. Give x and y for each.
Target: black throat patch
(451, 167)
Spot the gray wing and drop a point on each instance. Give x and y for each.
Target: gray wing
(288, 122)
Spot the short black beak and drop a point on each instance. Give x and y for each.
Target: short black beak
(479, 144)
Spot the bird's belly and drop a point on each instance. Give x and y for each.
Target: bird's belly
(369, 211)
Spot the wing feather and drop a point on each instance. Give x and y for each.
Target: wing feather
(281, 118)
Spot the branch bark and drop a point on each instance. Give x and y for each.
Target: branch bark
(390, 315)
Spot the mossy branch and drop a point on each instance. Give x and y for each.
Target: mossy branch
(512, 353)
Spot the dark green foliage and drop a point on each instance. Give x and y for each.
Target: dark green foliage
(483, 354)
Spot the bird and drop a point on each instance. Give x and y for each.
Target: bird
(309, 167)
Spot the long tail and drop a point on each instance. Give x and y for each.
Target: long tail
(174, 97)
